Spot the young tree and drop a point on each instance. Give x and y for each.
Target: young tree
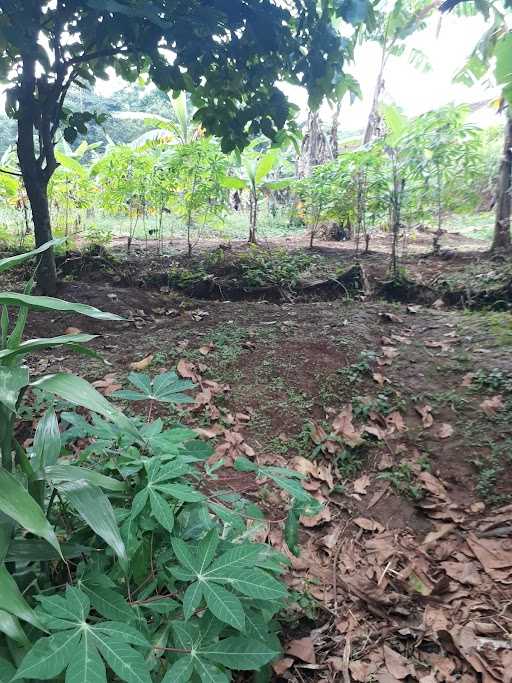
(228, 53)
(493, 56)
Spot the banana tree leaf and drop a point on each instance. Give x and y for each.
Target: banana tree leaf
(95, 509)
(266, 164)
(45, 343)
(13, 602)
(49, 303)
(14, 261)
(233, 183)
(280, 184)
(60, 473)
(18, 504)
(70, 164)
(79, 392)
(33, 550)
(12, 381)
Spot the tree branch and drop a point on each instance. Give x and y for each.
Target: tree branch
(15, 173)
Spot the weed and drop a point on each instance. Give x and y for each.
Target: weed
(402, 480)
(384, 403)
(349, 463)
(354, 373)
(495, 380)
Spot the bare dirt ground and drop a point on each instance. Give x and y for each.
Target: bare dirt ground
(399, 417)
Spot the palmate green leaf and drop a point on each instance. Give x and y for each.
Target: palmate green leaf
(14, 261)
(209, 673)
(18, 504)
(181, 492)
(207, 549)
(119, 630)
(13, 602)
(243, 555)
(95, 509)
(124, 661)
(165, 388)
(224, 605)
(161, 510)
(139, 502)
(86, 665)
(12, 381)
(185, 556)
(255, 583)
(62, 473)
(49, 656)
(239, 653)
(180, 671)
(48, 303)
(192, 599)
(108, 603)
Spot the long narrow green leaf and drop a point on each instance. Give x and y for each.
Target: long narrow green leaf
(12, 381)
(48, 303)
(60, 473)
(47, 441)
(86, 666)
(45, 343)
(16, 503)
(49, 656)
(13, 602)
(11, 627)
(79, 392)
(14, 261)
(95, 509)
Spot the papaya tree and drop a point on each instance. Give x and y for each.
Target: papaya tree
(229, 54)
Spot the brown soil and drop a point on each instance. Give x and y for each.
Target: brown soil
(293, 367)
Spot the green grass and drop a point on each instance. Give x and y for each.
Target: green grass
(476, 225)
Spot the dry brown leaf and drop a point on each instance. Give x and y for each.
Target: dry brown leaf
(433, 485)
(467, 379)
(187, 370)
(282, 665)
(397, 665)
(425, 412)
(72, 330)
(361, 671)
(390, 352)
(413, 308)
(108, 385)
(379, 378)
(322, 517)
(343, 427)
(444, 431)
(368, 524)
(141, 364)
(391, 317)
(495, 555)
(385, 462)
(206, 349)
(492, 405)
(302, 648)
(395, 422)
(361, 484)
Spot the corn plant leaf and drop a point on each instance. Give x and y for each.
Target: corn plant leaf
(224, 605)
(239, 653)
(79, 392)
(95, 509)
(11, 627)
(34, 550)
(45, 343)
(180, 671)
(47, 442)
(13, 602)
(12, 381)
(49, 303)
(63, 473)
(14, 261)
(18, 504)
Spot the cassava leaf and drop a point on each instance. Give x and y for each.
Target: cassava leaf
(224, 605)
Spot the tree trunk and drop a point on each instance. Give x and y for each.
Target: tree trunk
(373, 125)
(35, 175)
(334, 131)
(254, 214)
(501, 241)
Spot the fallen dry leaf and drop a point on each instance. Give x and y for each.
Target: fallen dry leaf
(425, 412)
(343, 427)
(361, 484)
(142, 364)
(282, 665)
(379, 378)
(467, 379)
(187, 370)
(444, 431)
(492, 405)
(206, 349)
(368, 524)
(397, 665)
(108, 385)
(395, 422)
(72, 330)
(302, 648)
(391, 317)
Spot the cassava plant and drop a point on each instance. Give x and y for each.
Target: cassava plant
(121, 558)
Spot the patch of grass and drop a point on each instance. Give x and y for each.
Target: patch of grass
(228, 341)
(450, 397)
(490, 469)
(384, 403)
(349, 462)
(356, 372)
(493, 380)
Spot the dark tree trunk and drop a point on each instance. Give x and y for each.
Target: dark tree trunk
(501, 241)
(37, 171)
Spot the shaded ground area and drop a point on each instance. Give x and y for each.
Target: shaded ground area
(399, 418)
